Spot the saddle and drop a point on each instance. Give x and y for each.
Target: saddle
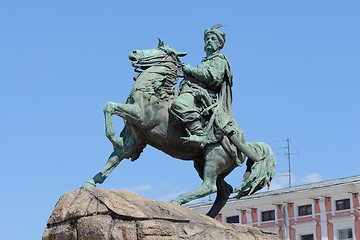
(229, 136)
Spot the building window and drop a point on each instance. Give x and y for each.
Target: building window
(305, 210)
(307, 237)
(268, 215)
(343, 204)
(232, 219)
(345, 234)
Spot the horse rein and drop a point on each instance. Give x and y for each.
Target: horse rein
(154, 61)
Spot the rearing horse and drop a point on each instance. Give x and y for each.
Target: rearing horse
(147, 121)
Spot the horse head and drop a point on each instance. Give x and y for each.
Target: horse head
(159, 56)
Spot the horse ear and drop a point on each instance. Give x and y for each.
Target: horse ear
(161, 43)
(181, 54)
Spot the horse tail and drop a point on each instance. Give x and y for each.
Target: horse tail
(258, 174)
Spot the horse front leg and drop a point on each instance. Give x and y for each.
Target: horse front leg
(129, 112)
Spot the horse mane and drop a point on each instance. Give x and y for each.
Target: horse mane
(162, 85)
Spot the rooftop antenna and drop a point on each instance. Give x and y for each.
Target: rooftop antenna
(288, 155)
(289, 159)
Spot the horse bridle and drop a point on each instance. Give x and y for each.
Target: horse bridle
(158, 60)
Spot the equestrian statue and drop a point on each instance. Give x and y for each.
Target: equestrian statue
(193, 123)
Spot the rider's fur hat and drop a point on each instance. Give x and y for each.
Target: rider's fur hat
(220, 35)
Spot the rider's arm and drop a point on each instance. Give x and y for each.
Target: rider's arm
(210, 72)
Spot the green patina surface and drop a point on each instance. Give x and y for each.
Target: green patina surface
(193, 122)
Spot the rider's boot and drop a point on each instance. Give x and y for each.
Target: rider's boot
(196, 133)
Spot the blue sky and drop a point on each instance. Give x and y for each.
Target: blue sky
(296, 75)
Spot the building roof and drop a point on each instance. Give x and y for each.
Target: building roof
(295, 189)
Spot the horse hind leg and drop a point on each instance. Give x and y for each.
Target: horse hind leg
(207, 187)
(223, 192)
(213, 167)
(115, 158)
(113, 161)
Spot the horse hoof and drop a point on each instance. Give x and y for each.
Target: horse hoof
(175, 202)
(89, 184)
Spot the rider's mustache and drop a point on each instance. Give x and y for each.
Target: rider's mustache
(210, 44)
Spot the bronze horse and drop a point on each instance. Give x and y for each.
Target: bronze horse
(147, 121)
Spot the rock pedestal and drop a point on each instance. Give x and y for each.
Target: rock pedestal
(95, 214)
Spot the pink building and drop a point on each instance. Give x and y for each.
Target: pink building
(323, 210)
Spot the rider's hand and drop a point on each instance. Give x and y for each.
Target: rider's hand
(198, 95)
(186, 69)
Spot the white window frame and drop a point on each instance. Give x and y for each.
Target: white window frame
(303, 202)
(341, 223)
(234, 215)
(270, 210)
(305, 228)
(341, 197)
(337, 234)
(300, 235)
(266, 209)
